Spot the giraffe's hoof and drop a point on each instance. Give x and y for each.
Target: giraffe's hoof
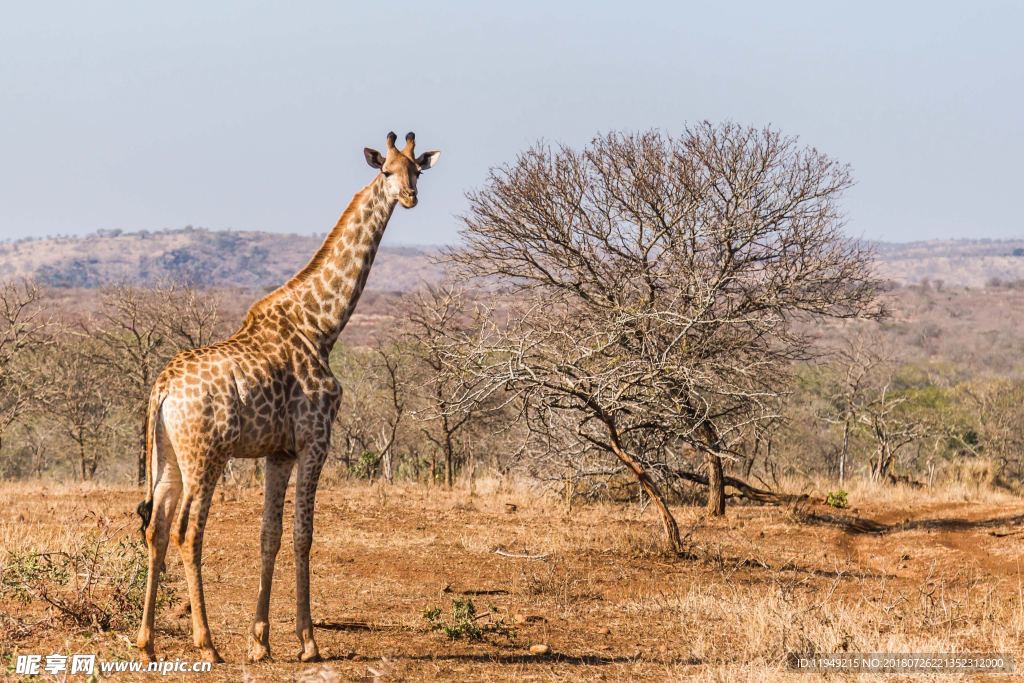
(258, 652)
(212, 656)
(310, 656)
(144, 641)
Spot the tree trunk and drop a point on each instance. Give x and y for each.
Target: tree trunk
(449, 453)
(884, 462)
(569, 489)
(879, 465)
(716, 484)
(668, 522)
(81, 458)
(416, 465)
(748, 463)
(842, 453)
(449, 465)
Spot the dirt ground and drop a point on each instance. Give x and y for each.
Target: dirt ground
(907, 574)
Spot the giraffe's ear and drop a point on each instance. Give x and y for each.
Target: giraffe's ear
(373, 157)
(428, 160)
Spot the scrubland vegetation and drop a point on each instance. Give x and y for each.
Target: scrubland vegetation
(635, 339)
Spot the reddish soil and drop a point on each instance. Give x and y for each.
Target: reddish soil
(761, 582)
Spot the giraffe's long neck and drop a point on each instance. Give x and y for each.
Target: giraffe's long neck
(323, 295)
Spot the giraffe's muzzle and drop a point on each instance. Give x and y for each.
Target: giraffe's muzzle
(408, 199)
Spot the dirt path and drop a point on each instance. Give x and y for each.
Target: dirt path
(960, 535)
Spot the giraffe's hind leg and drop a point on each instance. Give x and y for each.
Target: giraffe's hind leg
(166, 491)
(190, 526)
(279, 470)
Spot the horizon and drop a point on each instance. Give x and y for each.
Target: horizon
(123, 232)
(140, 117)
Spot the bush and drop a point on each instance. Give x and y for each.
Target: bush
(837, 499)
(100, 584)
(466, 624)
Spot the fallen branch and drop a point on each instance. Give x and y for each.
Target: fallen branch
(519, 556)
(745, 490)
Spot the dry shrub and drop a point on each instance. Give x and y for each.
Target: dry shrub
(13, 629)
(978, 475)
(569, 591)
(978, 472)
(96, 581)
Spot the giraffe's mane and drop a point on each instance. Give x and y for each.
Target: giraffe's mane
(348, 216)
(323, 253)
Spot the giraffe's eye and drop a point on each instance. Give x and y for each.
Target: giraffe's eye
(387, 174)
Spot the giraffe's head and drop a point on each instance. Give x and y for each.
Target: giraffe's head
(401, 167)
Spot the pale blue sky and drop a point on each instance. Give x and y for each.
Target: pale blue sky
(251, 114)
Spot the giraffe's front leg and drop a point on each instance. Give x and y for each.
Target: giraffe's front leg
(311, 461)
(279, 470)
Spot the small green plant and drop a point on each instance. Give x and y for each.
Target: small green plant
(98, 584)
(837, 499)
(466, 623)
(365, 466)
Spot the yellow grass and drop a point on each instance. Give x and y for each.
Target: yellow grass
(762, 582)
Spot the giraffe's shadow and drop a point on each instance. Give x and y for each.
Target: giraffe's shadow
(518, 658)
(352, 625)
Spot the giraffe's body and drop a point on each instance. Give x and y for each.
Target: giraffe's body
(266, 392)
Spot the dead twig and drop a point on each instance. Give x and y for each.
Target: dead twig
(519, 556)
(1004, 534)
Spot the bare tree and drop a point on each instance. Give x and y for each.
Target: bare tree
(892, 427)
(188, 317)
(997, 408)
(24, 330)
(34, 451)
(355, 434)
(869, 403)
(374, 408)
(80, 403)
(859, 359)
(394, 407)
(139, 330)
(652, 284)
(431, 316)
(38, 444)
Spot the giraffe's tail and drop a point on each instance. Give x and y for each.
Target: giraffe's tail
(145, 508)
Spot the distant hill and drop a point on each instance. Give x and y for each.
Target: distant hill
(960, 263)
(252, 259)
(247, 259)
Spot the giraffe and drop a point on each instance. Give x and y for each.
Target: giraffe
(266, 392)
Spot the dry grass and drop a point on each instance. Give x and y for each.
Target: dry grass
(974, 486)
(941, 575)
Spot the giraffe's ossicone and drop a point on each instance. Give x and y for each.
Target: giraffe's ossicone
(266, 392)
